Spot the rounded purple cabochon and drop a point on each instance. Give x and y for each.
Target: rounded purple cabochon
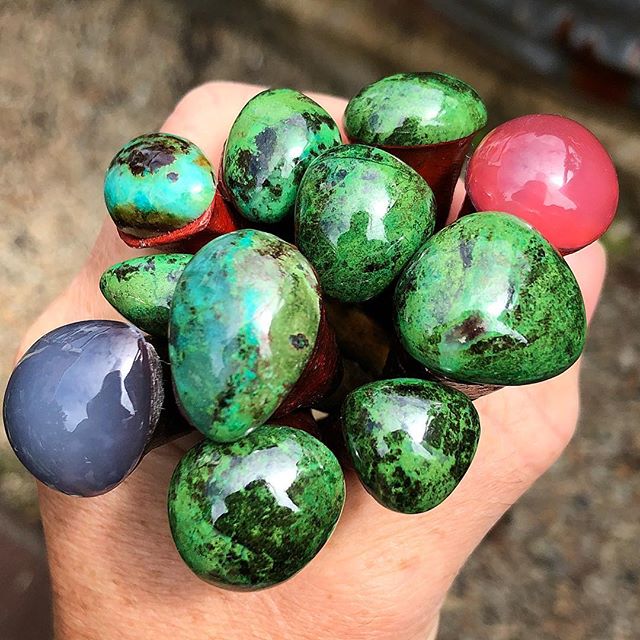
(78, 409)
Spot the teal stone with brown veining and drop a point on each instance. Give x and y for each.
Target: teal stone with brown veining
(141, 289)
(157, 183)
(271, 143)
(488, 300)
(360, 215)
(244, 320)
(410, 109)
(411, 441)
(251, 514)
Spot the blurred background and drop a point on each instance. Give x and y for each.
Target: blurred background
(80, 78)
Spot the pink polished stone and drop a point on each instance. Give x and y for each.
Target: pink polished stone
(550, 171)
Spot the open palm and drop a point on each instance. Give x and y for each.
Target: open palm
(117, 574)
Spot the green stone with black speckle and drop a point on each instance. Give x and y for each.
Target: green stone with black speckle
(411, 441)
(251, 514)
(488, 300)
(141, 289)
(244, 321)
(271, 143)
(158, 183)
(411, 109)
(360, 215)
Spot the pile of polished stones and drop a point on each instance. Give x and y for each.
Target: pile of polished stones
(316, 303)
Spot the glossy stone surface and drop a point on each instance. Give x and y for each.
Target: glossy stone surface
(360, 215)
(82, 404)
(550, 171)
(251, 514)
(157, 183)
(411, 441)
(141, 289)
(408, 109)
(244, 321)
(488, 300)
(272, 141)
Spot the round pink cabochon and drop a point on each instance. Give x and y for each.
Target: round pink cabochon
(550, 171)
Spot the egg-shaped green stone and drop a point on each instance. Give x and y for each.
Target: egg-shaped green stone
(251, 514)
(244, 321)
(271, 142)
(141, 289)
(488, 300)
(411, 441)
(409, 109)
(360, 215)
(157, 183)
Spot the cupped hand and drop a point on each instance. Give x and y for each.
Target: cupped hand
(383, 575)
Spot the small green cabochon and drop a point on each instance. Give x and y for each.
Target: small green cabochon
(409, 109)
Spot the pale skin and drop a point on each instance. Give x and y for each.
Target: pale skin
(117, 574)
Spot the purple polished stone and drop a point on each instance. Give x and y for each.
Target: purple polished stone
(82, 404)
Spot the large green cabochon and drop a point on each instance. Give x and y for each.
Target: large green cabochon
(411, 441)
(244, 321)
(408, 109)
(270, 145)
(489, 300)
(250, 514)
(156, 183)
(360, 215)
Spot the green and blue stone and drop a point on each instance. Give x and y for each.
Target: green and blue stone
(158, 183)
(411, 441)
(141, 289)
(413, 109)
(488, 300)
(270, 145)
(244, 321)
(360, 215)
(251, 514)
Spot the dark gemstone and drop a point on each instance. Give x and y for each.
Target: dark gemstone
(82, 404)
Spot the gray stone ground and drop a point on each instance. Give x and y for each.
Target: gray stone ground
(78, 79)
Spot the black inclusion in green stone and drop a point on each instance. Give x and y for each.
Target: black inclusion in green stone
(251, 514)
(411, 441)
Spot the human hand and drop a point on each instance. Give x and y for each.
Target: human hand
(117, 574)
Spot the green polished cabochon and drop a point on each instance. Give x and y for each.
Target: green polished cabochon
(360, 215)
(411, 441)
(251, 514)
(156, 183)
(244, 321)
(408, 109)
(271, 142)
(141, 289)
(488, 300)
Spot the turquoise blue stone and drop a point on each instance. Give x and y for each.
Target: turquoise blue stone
(244, 321)
(157, 183)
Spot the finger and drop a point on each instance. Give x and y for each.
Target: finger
(589, 266)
